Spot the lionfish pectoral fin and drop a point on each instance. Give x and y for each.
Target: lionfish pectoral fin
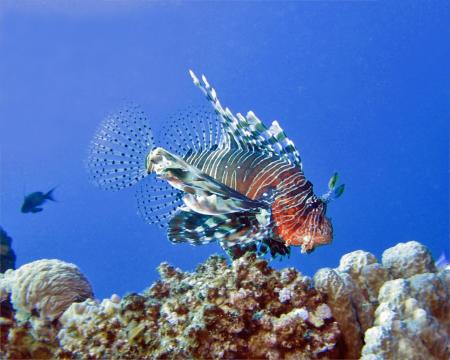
(334, 192)
(256, 236)
(252, 227)
(197, 229)
(117, 154)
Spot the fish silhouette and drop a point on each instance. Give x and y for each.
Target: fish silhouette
(33, 201)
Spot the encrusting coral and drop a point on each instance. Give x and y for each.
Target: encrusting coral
(246, 310)
(395, 309)
(243, 311)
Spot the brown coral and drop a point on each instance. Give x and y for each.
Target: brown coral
(247, 310)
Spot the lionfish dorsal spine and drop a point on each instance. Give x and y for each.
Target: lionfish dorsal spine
(249, 132)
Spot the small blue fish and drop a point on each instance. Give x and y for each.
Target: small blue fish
(32, 201)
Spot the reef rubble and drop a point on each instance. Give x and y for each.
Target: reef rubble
(396, 308)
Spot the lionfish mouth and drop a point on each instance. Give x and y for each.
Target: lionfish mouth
(310, 242)
(321, 234)
(314, 231)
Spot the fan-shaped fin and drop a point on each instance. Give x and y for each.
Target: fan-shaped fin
(157, 201)
(117, 154)
(191, 130)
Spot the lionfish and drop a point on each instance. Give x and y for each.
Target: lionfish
(220, 177)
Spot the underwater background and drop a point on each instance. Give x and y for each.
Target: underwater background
(361, 87)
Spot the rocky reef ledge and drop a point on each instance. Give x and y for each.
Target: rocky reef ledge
(396, 309)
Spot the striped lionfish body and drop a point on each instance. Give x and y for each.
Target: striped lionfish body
(221, 177)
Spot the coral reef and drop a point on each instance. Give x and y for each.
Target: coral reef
(45, 288)
(352, 291)
(395, 309)
(31, 300)
(411, 323)
(412, 320)
(7, 255)
(380, 301)
(408, 259)
(246, 310)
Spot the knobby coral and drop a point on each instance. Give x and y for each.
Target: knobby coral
(377, 313)
(412, 320)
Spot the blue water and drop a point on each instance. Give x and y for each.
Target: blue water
(362, 87)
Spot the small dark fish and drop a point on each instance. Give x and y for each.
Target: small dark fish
(32, 201)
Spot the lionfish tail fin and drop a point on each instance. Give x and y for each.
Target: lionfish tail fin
(117, 154)
(334, 192)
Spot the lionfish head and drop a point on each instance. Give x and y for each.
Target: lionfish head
(317, 230)
(313, 228)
